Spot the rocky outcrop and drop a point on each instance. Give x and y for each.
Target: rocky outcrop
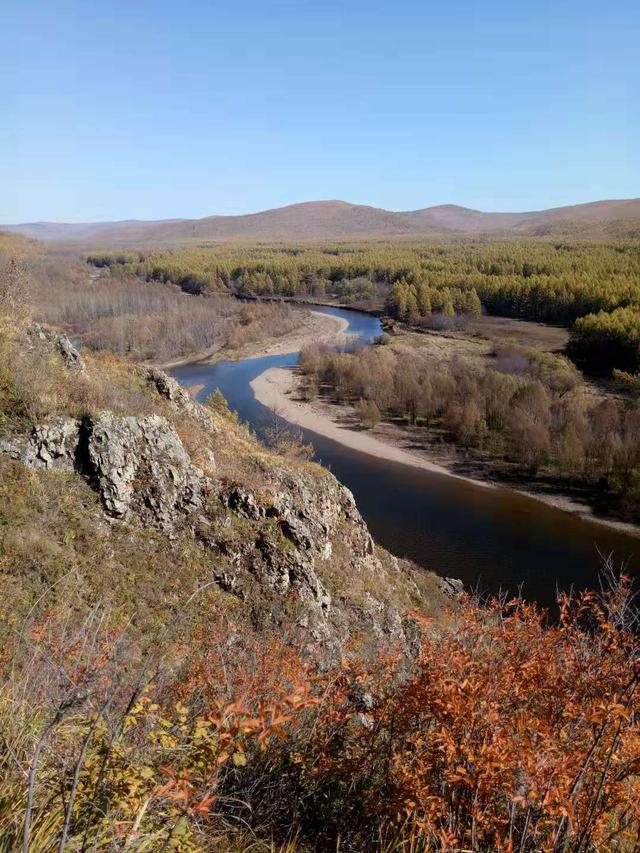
(43, 336)
(50, 445)
(137, 465)
(300, 522)
(140, 465)
(180, 400)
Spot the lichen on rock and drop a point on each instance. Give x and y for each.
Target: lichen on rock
(141, 465)
(135, 464)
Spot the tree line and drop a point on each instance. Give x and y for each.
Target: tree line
(607, 339)
(420, 303)
(553, 282)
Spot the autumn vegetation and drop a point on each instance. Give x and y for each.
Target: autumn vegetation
(521, 414)
(499, 733)
(552, 282)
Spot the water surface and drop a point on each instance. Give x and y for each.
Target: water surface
(491, 539)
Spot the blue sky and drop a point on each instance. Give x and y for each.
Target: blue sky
(141, 109)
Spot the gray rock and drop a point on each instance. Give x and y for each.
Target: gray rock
(168, 388)
(135, 464)
(453, 587)
(304, 580)
(49, 445)
(70, 355)
(60, 343)
(55, 443)
(297, 531)
(292, 570)
(243, 503)
(140, 464)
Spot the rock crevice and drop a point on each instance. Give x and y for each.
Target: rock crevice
(137, 465)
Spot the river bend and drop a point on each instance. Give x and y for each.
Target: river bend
(492, 539)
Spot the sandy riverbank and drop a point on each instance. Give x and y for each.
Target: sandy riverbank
(314, 327)
(276, 388)
(273, 389)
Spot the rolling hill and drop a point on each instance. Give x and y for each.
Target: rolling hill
(339, 220)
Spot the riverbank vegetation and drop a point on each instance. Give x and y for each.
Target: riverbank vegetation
(546, 281)
(515, 414)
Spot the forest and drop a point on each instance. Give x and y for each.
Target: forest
(552, 282)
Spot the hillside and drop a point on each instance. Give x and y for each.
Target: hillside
(100, 441)
(188, 636)
(202, 649)
(324, 220)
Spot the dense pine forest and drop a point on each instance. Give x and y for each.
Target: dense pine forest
(550, 282)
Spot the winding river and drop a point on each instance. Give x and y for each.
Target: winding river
(491, 539)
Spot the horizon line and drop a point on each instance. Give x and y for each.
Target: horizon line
(134, 219)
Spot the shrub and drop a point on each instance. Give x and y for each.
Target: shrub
(505, 735)
(502, 733)
(367, 413)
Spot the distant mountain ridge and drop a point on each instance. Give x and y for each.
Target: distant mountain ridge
(340, 220)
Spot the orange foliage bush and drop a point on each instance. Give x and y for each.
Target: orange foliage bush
(507, 734)
(503, 733)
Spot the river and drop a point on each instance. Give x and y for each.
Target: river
(492, 539)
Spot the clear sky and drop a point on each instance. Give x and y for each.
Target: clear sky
(140, 109)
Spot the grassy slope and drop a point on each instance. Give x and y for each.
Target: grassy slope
(52, 525)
